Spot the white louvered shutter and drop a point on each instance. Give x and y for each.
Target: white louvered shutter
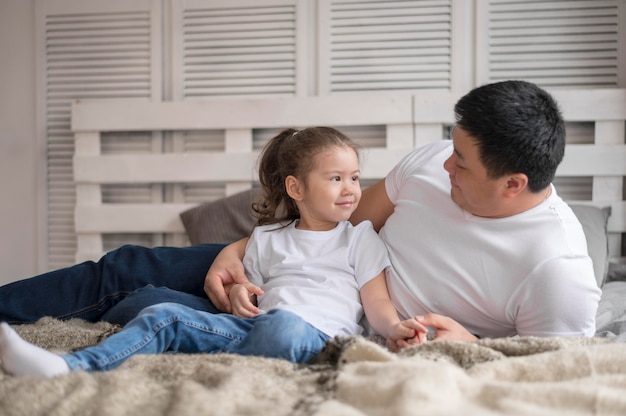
(382, 45)
(560, 43)
(238, 48)
(90, 50)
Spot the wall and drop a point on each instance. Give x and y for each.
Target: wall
(18, 142)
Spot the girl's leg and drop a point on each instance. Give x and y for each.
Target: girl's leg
(88, 290)
(22, 358)
(175, 327)
(281, 334)
(162, 328)
(172, 327)
(157, 329)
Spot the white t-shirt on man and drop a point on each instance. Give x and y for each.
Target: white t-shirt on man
(527, 274)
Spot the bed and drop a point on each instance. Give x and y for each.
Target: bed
(353, 375)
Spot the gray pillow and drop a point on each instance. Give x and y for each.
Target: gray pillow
(230, 219)
(594, 220)
(223, 221)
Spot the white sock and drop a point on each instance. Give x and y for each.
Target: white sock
(20, 357)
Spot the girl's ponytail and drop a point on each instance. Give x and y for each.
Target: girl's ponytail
(272, 179)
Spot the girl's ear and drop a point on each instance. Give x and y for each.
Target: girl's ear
(294, 188)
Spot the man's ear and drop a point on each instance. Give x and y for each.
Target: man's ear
(294, 188)
(515, 184)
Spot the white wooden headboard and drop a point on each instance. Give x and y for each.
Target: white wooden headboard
(409, 121)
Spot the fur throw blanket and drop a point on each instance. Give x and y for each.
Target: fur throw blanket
(352, 376)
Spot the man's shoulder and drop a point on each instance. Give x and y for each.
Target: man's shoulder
(433, 148)
(431, 153)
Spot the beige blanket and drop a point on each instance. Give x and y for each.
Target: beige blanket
(354, 376)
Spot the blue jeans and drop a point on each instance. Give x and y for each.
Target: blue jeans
(95, 290)
(178, 328)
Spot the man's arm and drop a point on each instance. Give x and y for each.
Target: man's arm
(226, 270)
(374, 206)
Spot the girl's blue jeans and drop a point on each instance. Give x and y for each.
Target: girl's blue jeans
(102, 290)
(178, 328)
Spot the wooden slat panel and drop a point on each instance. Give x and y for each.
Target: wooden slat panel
(617, 220)
(582, 105)
(434, 107)
(593, 160)
(165, 168)
(201, 167)
(592, 105)
(130, 218)
(128, 115)
(376, 163)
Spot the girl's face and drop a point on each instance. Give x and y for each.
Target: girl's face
(332, 190)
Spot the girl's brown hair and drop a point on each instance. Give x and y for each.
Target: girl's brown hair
(291, 152)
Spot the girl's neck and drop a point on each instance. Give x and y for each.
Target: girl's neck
(302, 224)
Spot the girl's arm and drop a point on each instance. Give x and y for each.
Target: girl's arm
(374, 206)
(383, 317)
(226, 270)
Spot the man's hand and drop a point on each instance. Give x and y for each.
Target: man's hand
(226, 270)
(446, 328)
(243, 299)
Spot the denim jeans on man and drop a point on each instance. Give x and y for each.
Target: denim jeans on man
(174, 327)
(107, 289)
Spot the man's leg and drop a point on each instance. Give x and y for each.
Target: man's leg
(88, 290)
(129, 307)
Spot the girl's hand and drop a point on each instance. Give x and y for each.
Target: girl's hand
(407, 333)
(243, 298)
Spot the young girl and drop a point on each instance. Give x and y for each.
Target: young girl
(309, 272)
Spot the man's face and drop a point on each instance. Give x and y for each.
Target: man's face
(471, 187)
